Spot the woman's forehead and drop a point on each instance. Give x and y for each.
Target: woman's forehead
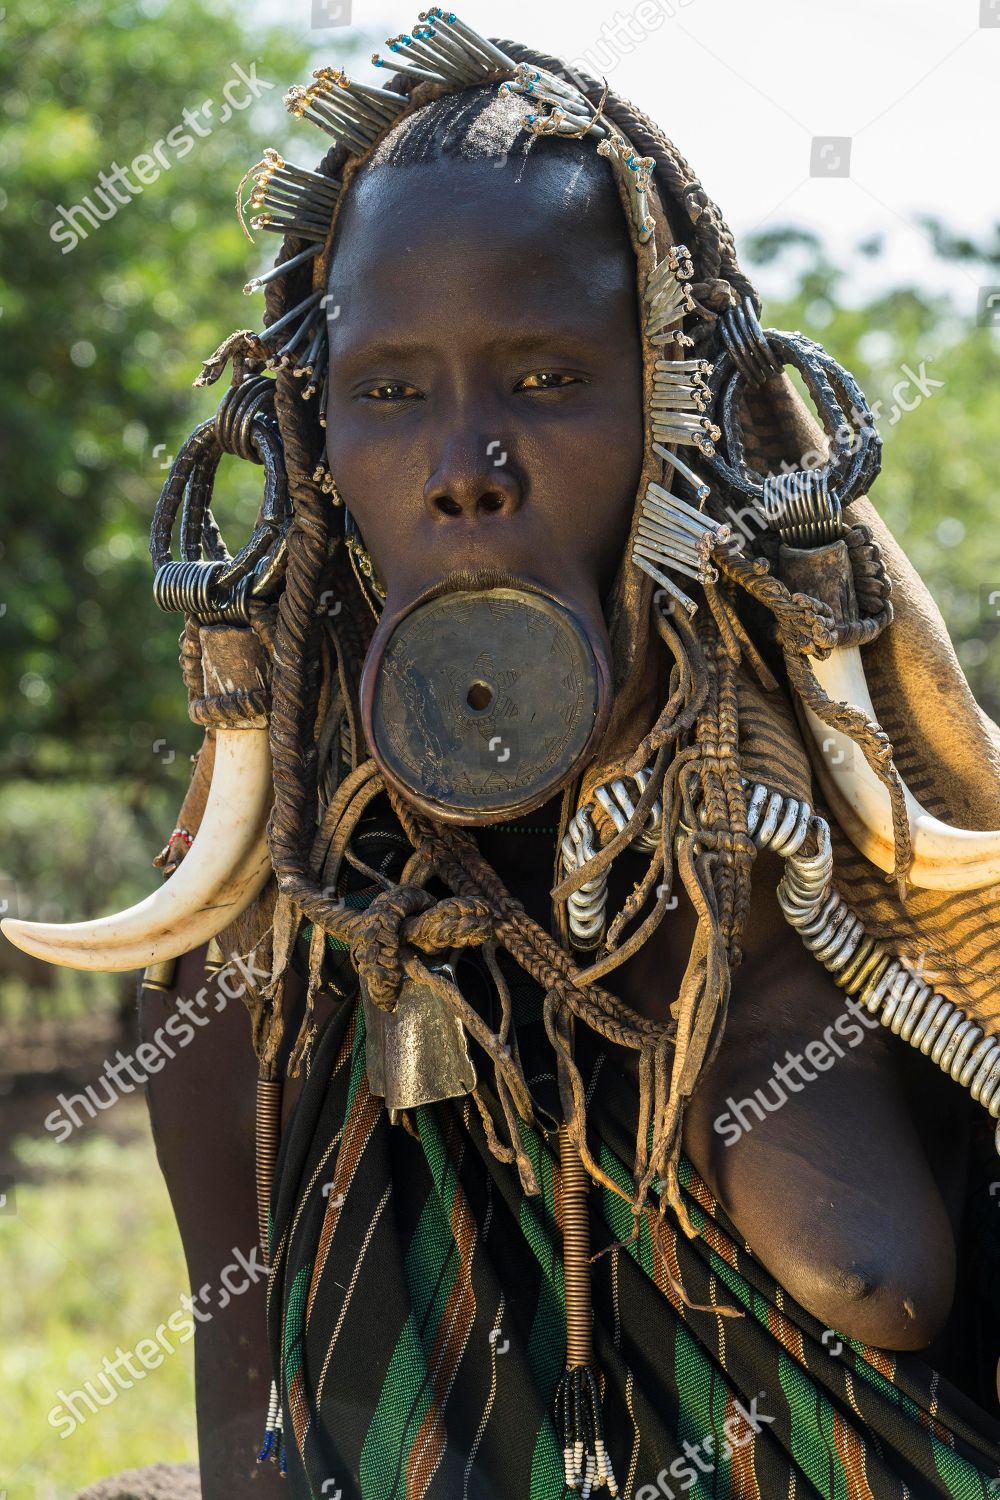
(567, 212)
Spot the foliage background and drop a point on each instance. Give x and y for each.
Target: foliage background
(98, 349)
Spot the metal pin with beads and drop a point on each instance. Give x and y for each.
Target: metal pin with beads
(572, 113)
(673, 534)
(669, 301)
(376, 101)
(701, 489)
(638, 170)
(300, 227)
(493, 59)
(276, 271)
(448, 50)
(367, 111)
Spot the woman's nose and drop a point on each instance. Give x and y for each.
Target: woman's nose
(473, 479)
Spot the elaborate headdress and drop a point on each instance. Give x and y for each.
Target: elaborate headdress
(720, 770)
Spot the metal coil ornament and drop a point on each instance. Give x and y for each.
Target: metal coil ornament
(208, 582)
(268, 1139)
(587, 906)
(190, 587)
(747, 343)
(862, 966)
(803, 505)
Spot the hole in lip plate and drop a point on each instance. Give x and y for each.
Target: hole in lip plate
(479, 698)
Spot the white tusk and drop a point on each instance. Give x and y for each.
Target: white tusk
(224, 869)
(944, 858)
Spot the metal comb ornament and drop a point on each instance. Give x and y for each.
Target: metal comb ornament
(673, 534)
(354, 114)
(291, 200)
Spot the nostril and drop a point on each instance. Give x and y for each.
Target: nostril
(492, 502)
(448, 506)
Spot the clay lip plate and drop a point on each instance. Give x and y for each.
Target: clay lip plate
(484, 702)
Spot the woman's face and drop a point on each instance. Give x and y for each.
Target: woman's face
(485, 386)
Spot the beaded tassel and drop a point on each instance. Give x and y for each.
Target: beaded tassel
(272, 1428)
(672, 534)
(273, 1448)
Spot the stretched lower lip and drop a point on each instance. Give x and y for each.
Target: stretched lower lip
(480, 703)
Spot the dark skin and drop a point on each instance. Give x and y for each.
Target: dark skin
(482, 307)
(409, 423)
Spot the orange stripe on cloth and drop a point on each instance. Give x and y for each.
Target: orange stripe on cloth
(451, 1338)
(358, 1129)
(851, 1452)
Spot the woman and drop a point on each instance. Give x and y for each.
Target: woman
(556, 871)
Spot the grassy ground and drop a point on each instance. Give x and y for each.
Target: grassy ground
(90, 1261)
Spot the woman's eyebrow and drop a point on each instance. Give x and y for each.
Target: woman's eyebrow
(533, 341)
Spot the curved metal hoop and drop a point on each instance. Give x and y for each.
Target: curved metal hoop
(803, 504)
(747, 343)
(208, 581)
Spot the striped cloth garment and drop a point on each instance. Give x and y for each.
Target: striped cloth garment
(416, 1317)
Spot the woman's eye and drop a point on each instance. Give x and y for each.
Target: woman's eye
(546, 380)
(391, 390)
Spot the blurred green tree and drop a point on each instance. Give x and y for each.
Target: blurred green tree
(103, 326)
(930, 373)
(124, 130)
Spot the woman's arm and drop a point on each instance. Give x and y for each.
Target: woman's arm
(201, 1105)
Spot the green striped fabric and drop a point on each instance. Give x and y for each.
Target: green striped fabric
(417, 1316)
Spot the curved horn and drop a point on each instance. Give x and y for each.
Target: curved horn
(224, 869)
(944, 858)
